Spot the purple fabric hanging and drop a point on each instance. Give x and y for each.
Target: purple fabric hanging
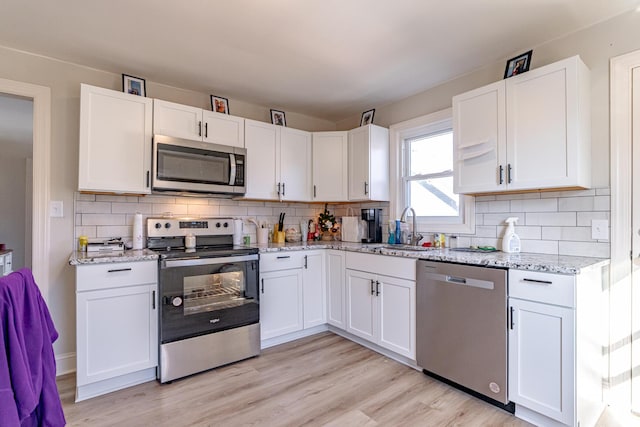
(28, 392)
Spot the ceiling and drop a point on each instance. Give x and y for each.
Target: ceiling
(328, 59)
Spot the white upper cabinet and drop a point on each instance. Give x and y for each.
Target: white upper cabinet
(184, 121)
(369, 163)
(330, 166)
(278, 162)
(528, 132)
(115, 141)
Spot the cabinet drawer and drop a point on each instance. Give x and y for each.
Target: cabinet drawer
(115, 275)
(557, 289)
(285, 260)
(402, 268)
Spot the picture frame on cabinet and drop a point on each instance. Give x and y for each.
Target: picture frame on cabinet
(219, 104)
(518, 65)
(134, 85)
(367, 117)
(278, 118)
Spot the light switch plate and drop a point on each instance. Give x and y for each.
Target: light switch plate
(600, 229)
(56, 209)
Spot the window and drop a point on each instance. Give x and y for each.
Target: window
(423, 169)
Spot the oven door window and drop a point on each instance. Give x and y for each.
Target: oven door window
(185, 164)
(217, 291)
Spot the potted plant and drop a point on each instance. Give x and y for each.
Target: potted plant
(327, 223)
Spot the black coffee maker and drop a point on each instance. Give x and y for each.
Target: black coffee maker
(373, 217)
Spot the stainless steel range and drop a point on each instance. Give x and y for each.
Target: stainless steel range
(208, 289)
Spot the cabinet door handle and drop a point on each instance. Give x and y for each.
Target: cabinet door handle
(200, 128)
(153, 300)
(305, 262)
(206, 125)
(541, 282)
(509, 173)
(511, 315)
(148, 178)
(372, 289)
(278, 189)
(262, 287)
(366, 188)
(283, 189)
(314, 191)
(283, 256)
(117, 270)
(377, 288)
(501, 173)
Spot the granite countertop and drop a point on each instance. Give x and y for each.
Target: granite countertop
(84, 258)
(562, 264)
(5, 251)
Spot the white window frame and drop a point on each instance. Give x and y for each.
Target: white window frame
(398, 133)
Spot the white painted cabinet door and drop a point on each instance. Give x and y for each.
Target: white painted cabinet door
(280, 303)
(397, 315)
(361, 304)
(115, 141)
(223, 129)
(541, 359)
(295, 164)
(336, 308)
(479, 139)
(330, 166)
(369, 163)
(313, 289)
(263, 160)
(543, 127)
(117, 332)
(180, 121)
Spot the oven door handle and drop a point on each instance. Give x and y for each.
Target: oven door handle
(172, 263)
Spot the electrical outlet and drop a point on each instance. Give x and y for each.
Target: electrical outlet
(56, 209)
(600, 229)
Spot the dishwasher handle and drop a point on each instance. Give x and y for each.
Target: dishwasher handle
(464, 281)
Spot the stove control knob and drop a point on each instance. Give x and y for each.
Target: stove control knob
(226, 224)
(167, 225)
(217, 225)
(158, 225)
(176, 301)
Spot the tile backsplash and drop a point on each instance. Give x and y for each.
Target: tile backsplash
(556, 223)
(105, 216)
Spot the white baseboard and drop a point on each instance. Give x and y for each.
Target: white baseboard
(292, 336)
(65, 363)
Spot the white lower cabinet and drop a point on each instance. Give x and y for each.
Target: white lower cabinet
(280, 303)
(381, 308)
(292, 292)
(336, 309)
(117, 326)
(555, 347)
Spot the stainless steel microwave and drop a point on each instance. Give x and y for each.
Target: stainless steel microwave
(185, 166)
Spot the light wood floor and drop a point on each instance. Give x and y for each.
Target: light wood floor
(324, 380)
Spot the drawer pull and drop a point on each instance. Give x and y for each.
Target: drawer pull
(118, 270)
(283, 257)
(542, 282)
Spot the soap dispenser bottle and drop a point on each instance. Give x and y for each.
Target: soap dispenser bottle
(511, 241)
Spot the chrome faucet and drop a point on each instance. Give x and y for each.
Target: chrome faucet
(415, 237)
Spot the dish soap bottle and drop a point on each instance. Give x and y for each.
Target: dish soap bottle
(511, 241)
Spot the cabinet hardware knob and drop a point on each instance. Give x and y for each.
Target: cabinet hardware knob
(372, 290)
(305, 262)
(153, 300)
(262, 288)
(377, 288)
(200, 128)
(117, 270)
(509, 174)
(206, 125)
(541, 282)
(283, 189)
(511, 313)
(283, 256)
(366, 188)
(501, 173)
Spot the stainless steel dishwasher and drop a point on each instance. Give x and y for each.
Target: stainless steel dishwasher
(461, 330)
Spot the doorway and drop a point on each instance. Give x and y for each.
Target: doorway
(40, 98)
(16, 178)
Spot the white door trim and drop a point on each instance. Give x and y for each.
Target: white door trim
(41, 96)
(624, 320)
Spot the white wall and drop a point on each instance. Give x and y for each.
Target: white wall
(595, 45)
(12, 207)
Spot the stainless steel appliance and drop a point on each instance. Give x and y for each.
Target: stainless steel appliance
(209, 302)
(461, 329)
(184, 166)
(373, 230)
